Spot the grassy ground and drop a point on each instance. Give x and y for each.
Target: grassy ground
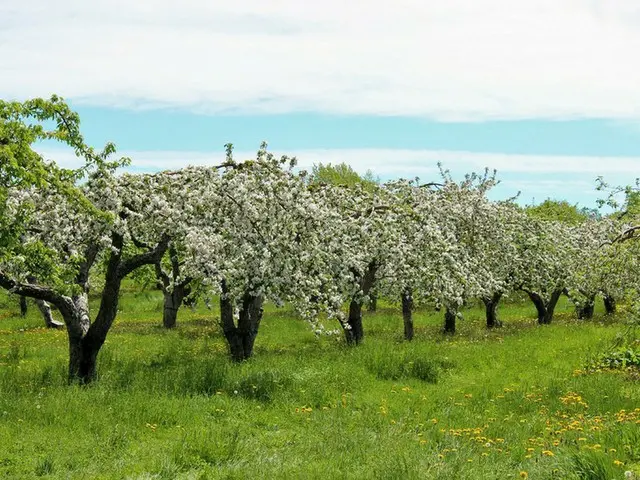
(503, 404)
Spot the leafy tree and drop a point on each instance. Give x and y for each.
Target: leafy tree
(559, 210)
(345, 175)
(341, 174)
(53, 231)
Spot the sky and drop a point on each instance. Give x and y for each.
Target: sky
(545, 92)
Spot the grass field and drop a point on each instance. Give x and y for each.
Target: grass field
(504, 404)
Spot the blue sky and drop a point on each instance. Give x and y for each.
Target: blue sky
(547, 94)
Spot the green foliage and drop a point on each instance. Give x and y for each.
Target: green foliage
(620, 358)
(341, 174)
(22, 125)
(632, 204)
(560, 210)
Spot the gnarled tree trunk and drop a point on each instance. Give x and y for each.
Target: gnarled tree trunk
(45, 309)
(585, 310)
(173, 295)
(491, 310)
(609, 304)
(240, 338)
(407, 314)
(449, 322)
(353, 331)
(83, 354)
(373, 302)
(545, 307)
(86, 338)
(172, 302)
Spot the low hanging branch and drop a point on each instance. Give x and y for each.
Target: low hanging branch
(628, 234)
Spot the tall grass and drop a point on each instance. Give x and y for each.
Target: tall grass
(508, 403)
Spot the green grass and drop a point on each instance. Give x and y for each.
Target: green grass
(168, 404)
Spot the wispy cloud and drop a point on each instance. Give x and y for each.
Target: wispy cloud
(457, 59)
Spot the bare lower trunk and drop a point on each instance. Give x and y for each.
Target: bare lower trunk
(585, 311)
(172, 302)
(449, 322)
(354, 333)
(23, 306)
(45, 309)
(83, 357)
(491, 310)
(373, 302)
(86, 338)
(407, 314)
(545, 308)
(609, 304)
(174, 291)
(241, 338)
(82, 353)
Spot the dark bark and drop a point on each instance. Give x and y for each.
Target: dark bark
(45, 309)
(585, 310)
(172, 302)
(240, 338)
(449, 322)
(540, 306)
(353, 331)
(609, 304)
(373, 302)
(23, 306)
(86, 338)
(173, 298)
(491, 310)
(545, 307)
(407, 314)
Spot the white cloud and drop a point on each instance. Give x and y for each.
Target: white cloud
(563, 177)
(454, 59)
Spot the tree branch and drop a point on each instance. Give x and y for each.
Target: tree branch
(148, 258)
(39, 292)
(628, 234)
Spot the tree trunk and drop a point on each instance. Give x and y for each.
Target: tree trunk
(544, 307)
(355, 333)
(551, 306)
(82, 353)
(241, 338)
(540, 306)
(172, 302)
(609, 304)
(23, 306)
(585, 311)
(174, 292)
(407, 314)
(373, 302)
(491, 309)
(45, 309)
(83, 357)
(449, 322)
(85, 338)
